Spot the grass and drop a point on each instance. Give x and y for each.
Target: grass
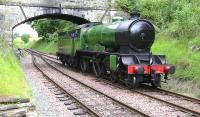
(179, 52)
(37, 44)
(188, 88)
(20, 44)
(44, 46)
(12, 79)
(195, 42)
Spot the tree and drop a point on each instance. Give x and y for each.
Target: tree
(128, 5)
(25, 38)
(179, 18)
(48, 29)
(4, 1)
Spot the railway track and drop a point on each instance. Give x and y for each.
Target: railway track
(97, 104)
(62, 94)
(186, 104)
(42, 53)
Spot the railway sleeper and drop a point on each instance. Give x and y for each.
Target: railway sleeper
(80, 112)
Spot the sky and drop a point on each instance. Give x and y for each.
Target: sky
(25, 28)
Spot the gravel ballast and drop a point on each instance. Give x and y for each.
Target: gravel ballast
(99, 103)
(47, 105)
(142, 103)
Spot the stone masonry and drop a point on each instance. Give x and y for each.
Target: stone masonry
(11, 13)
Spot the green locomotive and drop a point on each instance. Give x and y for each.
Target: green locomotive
(119, 50)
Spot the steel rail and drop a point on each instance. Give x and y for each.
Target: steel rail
(169, 103)
(42, 53)
(172, 104)
(170, 93)
(115, 100)
(179, 95)
(57, 85)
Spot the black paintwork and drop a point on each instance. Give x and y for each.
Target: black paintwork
(135, 36)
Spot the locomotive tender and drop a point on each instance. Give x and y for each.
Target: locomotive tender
(120, 51)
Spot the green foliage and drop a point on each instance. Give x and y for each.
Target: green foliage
(4, 1)
(25, 38)
(128, 5)
(52, 37)
(179, 18)
(44, 46)
(18, 43)
(12, 79)
(185, 20)
(179, 53)
(159, 11)
(188, 88)
(195, 42)
(49, 29)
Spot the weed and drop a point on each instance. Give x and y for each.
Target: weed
(12, 79)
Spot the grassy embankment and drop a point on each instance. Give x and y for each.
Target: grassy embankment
(44, 46)
(186, 80)
(40, 45)
(12, 79)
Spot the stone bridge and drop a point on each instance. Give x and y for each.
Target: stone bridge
(15, 13)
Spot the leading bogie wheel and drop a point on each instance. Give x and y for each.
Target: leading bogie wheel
(63, 62)
(131, 82)
(113, 77)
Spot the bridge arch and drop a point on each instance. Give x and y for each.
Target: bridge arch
(67, 17)
(71, 18)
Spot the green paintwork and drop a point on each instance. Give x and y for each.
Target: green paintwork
(67, 45)
(113, 62)
(95, 38)
(82, 39)
(76, 45)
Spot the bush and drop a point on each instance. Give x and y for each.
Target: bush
(25, 38)
(4, 1)
(52, 37)
(48, 29)
(179, 53)
(160, 11)
(178, 18)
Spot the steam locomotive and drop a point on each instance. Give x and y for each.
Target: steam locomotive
(120, 51)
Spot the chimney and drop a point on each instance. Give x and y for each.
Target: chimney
(135, 15)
